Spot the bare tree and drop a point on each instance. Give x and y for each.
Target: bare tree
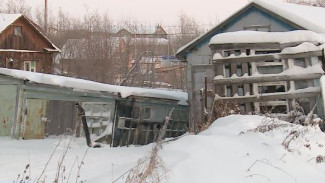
(17, 6)
(318, 3)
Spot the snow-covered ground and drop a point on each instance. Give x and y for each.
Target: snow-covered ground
(229, 151)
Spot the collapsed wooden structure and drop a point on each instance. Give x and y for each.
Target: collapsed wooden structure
(35, 106)
(267, 76)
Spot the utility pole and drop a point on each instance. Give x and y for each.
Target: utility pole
(45, 17)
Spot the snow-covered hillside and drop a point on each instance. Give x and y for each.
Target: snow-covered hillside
(234, 149)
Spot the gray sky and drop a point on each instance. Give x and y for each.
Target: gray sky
(150, 11)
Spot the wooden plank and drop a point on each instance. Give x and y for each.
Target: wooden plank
(247, 59)
(278, 83)
(147, 134)
(273, 103)
(269, 97)
(233, 71)
(246, 86)
(266, 78)
(266, 64)
(254, 46)
(219, 69)
(301, 55)
(248, 107)
(265, 57)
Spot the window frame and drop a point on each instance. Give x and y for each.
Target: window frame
(30, 68)
(18, 31)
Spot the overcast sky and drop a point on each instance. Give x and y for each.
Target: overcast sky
(150, 11)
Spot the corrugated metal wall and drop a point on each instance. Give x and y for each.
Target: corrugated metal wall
(7, 108)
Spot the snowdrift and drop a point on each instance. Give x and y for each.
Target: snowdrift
(234, 149)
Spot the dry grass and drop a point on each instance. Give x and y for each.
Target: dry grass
(151, 168)
(219, 109)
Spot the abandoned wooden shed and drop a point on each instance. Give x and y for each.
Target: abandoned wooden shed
(257, 15)
(269, 72)
(36, 105)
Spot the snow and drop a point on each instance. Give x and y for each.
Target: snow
(217, 56)
(308, 17)
(229, 151)
(86, 85)
(303, 47)
(267, 37)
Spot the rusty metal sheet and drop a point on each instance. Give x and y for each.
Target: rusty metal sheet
(8, 95)
(35, 116)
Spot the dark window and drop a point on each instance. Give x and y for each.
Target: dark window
(18, 31)
(271, 89)
(239, 70)
(226, 53)
(240, 90)
(27, 66)
(248, 52)
(227, 70)
(237, 52)
(228, 91)
(301, 62)
(260, 52)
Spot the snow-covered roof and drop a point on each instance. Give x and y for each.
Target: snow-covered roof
(86, 85)
(267, 37)
(308, 17)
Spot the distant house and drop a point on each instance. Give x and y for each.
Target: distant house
(240, 70)
(159, 32)
(23, 45)
(37, 105)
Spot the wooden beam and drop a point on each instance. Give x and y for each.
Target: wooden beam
(255, 46)
(266, 78)
(270, 97)
(265, 64)
(273, 103)
(251, 58)
(265, 57)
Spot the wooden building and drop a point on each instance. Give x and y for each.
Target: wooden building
(23, 45)
(258, 15)
(274, 75)
(37, 105)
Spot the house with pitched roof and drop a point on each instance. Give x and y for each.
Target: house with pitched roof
(23, 46)
(243, 66)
